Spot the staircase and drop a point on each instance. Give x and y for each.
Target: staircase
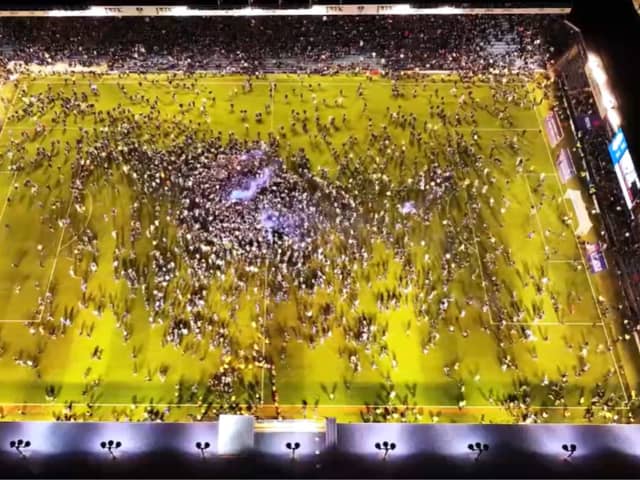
(503, 45)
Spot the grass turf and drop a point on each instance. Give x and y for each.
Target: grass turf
(320, 376)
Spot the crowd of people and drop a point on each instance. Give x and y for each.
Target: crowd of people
(219, 217)
(322, 44)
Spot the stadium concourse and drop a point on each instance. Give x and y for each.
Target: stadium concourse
(406, 221)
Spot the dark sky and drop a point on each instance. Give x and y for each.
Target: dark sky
(612, 30)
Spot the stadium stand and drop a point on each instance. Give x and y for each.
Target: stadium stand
(622, 236)
(258, 44)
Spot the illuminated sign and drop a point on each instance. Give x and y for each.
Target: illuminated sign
(618, 147)
(624, 167)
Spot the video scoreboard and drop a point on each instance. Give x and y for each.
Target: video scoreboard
(625, 169)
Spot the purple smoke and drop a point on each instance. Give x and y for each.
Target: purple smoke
(269, 219)
(408, 207)
(287, 223)
(255, 185)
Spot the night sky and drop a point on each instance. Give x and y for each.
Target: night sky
(612, 30)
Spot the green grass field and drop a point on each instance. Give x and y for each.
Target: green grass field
(41, 251)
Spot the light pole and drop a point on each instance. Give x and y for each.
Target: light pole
(570, 449)
(110, 446)
(202, 446)
(386, 447)
(479, 448)
(292, 447)
(19, 445)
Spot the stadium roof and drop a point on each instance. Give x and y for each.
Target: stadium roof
(80, 4)
(614, 34)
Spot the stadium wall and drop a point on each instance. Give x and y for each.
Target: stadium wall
(449, 441)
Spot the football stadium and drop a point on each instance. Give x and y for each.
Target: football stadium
(370, 214)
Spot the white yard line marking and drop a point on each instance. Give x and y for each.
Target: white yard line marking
(264, 330)
(554, 324)
(491, 129)
(327, 406)
(584, 264)
(232, 81)
(266, 283)
(2, 129)
(55, 260)
(23, 128)
(49, 130)
(480, 266)
(9, 110)
(85, 225)
(537, 174)
(6, 199)
(13, 179)
(535, 210)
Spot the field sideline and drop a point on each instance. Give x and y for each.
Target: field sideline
(39, 256)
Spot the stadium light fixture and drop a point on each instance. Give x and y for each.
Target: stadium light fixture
(180, 11)
(596, 69)
(599, 75)
(445, 10)
(570, 449)
(19, 445)
(292, 447)
(97, 12)
(385, 447)
(110, 446)
(404, 9)
(58, 13)
(614, 118)
(607, 99)
(249, 12)
(202, 447)
(479, 448)
(317, 9)
(593, 60)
